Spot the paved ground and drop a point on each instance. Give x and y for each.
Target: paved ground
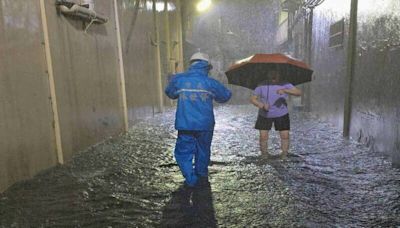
(133, 181)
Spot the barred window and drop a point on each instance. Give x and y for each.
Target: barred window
(336, 34)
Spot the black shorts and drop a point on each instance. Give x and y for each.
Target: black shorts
(280, 123)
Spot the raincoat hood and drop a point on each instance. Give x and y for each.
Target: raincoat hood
(200, 66)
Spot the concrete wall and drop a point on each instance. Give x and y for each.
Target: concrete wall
(137, 33)
(85, 99)
(170, 43)
(27, 141)
(375, 108)
(141, 43)
(329, 64)
(86, 75)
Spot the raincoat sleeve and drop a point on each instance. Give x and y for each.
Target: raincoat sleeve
(221, 93)
(172, 91)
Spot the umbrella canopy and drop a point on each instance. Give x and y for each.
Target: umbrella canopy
(253, 71)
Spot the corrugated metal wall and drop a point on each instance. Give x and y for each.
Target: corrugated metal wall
(140, 44)
(86, 78)
(87, 98)
(27, 140)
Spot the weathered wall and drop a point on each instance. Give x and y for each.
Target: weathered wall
(27, 142)
(139, 53)
(86, 75)
(329, 64)
(375, 109)
(141, 43)
(87, 79)
(170, 42)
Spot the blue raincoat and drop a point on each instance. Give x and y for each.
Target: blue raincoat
(194, 119)
(195, 92)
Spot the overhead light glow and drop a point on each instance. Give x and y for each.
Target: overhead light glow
(203, 5)
(160, 6)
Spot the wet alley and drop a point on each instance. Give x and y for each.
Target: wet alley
(133, 181)
(87, 113)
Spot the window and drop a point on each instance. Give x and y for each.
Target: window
(336, 34)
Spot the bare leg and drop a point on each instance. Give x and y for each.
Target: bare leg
(264, 143)
(284, 142)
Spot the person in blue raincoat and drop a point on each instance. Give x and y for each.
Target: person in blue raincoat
(194, 119)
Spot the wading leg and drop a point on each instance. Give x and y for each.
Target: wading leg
(264, 143)
(185, 149)
(284, 142)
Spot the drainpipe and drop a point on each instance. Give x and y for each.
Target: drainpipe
(160, 90)
(168, 58)
(309, 37)
(305, 57)
(307, 87)
(180, 35)
(167, 36)
(351, 61)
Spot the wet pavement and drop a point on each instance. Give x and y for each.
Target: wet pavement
(133, 181)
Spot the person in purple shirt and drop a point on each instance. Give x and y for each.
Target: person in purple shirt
(271, 99)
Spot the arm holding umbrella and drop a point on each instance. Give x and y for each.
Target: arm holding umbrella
(256, 102)
(293, 91)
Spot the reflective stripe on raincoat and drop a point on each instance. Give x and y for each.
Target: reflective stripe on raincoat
(195, 92)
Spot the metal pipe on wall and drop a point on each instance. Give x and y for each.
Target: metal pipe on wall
(180, 35)
(167, 36)
(307, 87)
(160, 98)
(351, 60)
(83, 12)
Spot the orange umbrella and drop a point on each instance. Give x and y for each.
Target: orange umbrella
(252, 71)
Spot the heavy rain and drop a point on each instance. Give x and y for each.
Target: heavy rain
(88, 130)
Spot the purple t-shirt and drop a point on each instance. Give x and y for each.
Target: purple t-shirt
(277, 103)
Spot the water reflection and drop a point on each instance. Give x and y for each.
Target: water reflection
(133, 181)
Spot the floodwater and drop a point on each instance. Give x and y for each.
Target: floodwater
(133, 181)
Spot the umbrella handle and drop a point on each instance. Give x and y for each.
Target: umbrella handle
(267, 98)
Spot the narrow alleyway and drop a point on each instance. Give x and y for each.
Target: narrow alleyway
(133, 181)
